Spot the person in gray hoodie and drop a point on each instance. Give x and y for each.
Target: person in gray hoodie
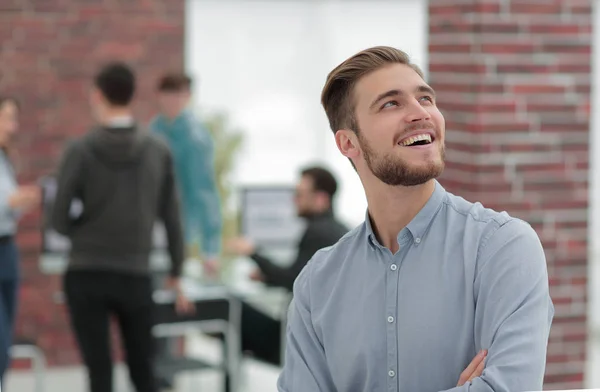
(123, 177)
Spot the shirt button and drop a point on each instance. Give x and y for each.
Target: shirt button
(391, 373)
(417, 240)
(394, 267)
(390, 319)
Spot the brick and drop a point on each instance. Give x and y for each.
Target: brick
(575, 68)
(48, 6)
(558, 29)
(450, 87)
(537, 89)
(48, 54)
(572, 47)
(575, 147)
(465, 8)
(456, 25)
(524, 147)
(541, 108)
(449, 48)
(501, 27)
(571, 127)
(551, 379)
(575, 7)
(529, 7)
(507, 106)
(524, 68)
(516, 127)
(543, 151)
(458, 68)
(542, 168)
(515, 47)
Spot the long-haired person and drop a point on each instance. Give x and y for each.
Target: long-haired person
(14, 201)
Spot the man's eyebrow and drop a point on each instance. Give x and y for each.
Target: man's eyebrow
(387, 94)
(426, 89)
(395, 93)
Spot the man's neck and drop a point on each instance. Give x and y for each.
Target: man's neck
(175, 116)
(118, 117)
(318, 213)
(391, 208)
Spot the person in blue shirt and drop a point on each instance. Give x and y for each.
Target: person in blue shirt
(14, 201)
(431, 292)
(193, 152)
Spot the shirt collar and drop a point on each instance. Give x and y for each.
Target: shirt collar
(185, 112)
(121, 122)
(420, 223)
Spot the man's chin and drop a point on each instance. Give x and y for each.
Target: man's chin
(427, 171)
(412, 176)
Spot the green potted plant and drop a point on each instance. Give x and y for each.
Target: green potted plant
(227, 142)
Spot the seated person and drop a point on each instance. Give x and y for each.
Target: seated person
(314, 196)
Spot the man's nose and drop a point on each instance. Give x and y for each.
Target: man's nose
(417, 113)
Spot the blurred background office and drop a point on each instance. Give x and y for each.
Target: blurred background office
(517, 82)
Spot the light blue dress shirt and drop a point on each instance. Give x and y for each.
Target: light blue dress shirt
(8, 185)
(465, 278)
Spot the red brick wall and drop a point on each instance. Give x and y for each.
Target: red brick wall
(49, 50)
(514, 82)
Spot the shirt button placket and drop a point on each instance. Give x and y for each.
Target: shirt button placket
(392, 329)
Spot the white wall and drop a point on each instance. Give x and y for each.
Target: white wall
(265, 63)
(593, 362)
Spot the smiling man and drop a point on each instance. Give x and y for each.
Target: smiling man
(431, 292)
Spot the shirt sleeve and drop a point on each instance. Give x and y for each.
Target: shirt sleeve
(305, 368)
(312, 241)
(513, 311)
(68, 187)
(6, 211)
(169, 213)
(205, 196)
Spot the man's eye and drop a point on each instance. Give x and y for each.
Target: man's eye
(427, 98)
(389, 104)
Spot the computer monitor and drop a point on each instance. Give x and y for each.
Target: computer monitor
(268, 216)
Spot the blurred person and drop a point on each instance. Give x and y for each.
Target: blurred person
(431, 292)
(314, 202)
(192, 147)
(14, 201)
(124, 178)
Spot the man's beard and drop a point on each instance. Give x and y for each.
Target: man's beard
(394, 170)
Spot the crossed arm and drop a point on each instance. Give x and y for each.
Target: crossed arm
(512, 321)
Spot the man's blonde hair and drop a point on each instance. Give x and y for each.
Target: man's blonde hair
(337, 96)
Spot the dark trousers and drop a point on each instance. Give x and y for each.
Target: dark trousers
(93, 297)
(164, 352)
(261, 335)
(9, 285)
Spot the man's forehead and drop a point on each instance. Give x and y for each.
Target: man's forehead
(398, 77)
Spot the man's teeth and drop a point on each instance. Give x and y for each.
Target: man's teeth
(411, 140)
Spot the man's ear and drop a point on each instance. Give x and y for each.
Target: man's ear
(323, 200)
(347, 143)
